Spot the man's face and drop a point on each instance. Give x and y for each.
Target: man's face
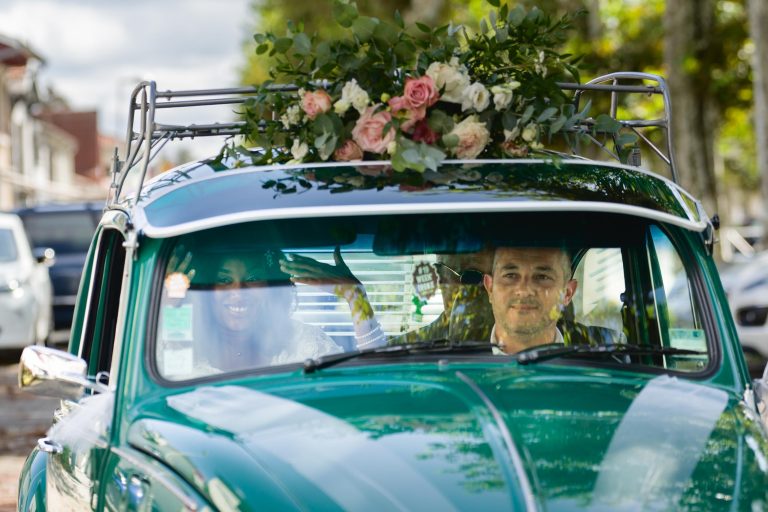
(449, 282)
(528, 289)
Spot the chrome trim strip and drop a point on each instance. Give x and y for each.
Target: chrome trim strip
(154, 474)
(115, 219)
(122, 308)
(406, 208)
(522, 477)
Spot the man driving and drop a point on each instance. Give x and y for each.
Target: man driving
(528, 289)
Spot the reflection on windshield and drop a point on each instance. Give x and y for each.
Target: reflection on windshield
(278, 293)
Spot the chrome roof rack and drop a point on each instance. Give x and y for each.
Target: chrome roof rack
(144, 142)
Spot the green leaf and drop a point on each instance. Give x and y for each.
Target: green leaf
(440, 122)
(483, 26)
(607, 124)
(399, 19)
(405, 50)
(526, 115)
(626, 139)
(424, 28)
(548, 113)
(557, 124)
(494, 3)
(322, 54)
(509, 120)
(262, 48)
(363, 28)
(302, 44)
(344, 13)
(450, 141)
(283, 44)
(502, 34)
(516, 16)
(585, 111)
(385, 34)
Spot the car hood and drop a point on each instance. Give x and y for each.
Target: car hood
(515, 438)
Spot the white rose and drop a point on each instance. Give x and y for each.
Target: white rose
(530, 132)
(353, 94)
(512, 134)
(448, 79)
(473, 137)
(476, 96)
(291, 117)
(299, 150)
(502, 97)
(341, 107)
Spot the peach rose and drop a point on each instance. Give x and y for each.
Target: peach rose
(420, 92)
(473, 137)
(315, 103)
(369, 132)
(348, 152)
(513, 149)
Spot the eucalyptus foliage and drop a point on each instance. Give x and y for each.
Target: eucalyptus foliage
(513, 52)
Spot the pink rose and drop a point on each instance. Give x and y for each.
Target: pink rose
(369, 130)
(422, 133)
(348, 152)
(420, 92)
(315, 103)
(407, 114)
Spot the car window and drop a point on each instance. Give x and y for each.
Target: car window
(675, 303)
(8, 250)
(65, 232)
(598, 299)
(277, 293)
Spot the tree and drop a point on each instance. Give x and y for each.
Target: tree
(687, 28)
(758, 25)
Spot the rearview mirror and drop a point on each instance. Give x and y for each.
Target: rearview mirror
(50, 372)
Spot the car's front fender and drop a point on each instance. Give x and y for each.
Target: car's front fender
(32, 483)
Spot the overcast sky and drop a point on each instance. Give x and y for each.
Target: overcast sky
(97, 50)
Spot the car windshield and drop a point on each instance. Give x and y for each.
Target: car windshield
(64, 232)
(275, 293)
(7, 245)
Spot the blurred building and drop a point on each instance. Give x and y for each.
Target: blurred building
(47, 153)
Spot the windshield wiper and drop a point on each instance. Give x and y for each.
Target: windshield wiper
(554, 351)
(434, 346)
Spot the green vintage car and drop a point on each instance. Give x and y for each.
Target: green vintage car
(340, 336)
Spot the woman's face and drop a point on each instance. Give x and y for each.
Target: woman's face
(241, 297)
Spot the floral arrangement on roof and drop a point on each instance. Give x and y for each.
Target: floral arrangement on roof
(413, 95)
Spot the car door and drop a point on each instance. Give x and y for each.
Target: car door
(79, 440)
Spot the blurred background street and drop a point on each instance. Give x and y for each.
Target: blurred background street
(24, 419)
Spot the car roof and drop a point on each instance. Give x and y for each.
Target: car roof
(95, 206)
(206, 194)
(8, 219)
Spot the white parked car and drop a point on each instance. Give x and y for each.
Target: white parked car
(746, 284)
(25, 287)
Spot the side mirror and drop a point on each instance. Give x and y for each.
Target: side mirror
(44, 255)
(50, 372)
